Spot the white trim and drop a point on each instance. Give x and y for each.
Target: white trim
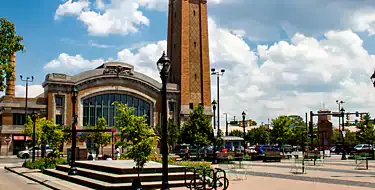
(105, 90)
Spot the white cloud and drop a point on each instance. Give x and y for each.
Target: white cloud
(117, 17)
(65, 63)
(364, 21)
(33, 91)
(282, 78)
(72, 8)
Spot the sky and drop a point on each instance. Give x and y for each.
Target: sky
(281, 57)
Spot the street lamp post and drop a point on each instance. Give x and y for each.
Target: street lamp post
(33, 117)
(226, 124)
(73, 170)
(163, 65)
(343, 156)
(214, 151)
(244, 132)
(27, 80)
(218, 74)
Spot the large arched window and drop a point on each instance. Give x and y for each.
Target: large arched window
(101, 106)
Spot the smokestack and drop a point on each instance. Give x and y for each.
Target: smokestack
(10, 89)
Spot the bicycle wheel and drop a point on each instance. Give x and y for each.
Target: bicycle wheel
(196, 183)
(220, 183)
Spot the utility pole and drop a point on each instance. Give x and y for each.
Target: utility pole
(27, 80)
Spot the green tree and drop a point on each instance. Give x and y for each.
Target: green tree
(10, 43)
(125, 117)
(173, 132)
(281, 130)
(101, 139)
(258, 135)
(140, 138)
(46, 132)
(198, 129)
(366, 132)
(236, 133)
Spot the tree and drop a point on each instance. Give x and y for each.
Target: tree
(124, 118)
(366, 132)
(140, 138)
(46, 132)
(173, 132)
(198, 129)
(350, 137)
(281, 130)
(259, 135)
(236, 133)
(10, 43)
(100, 139)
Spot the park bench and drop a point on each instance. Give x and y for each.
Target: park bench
(272, 155)
(225, 156)
(361, 160)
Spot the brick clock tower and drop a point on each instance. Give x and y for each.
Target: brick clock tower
(189, 53)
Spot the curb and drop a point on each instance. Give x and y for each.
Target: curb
(30, 178)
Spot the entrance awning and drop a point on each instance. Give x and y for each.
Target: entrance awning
(21, 138)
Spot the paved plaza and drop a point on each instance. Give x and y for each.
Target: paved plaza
(331, 174)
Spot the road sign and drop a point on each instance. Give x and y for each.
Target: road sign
(343, 133)
(7, 140)
(215, 132)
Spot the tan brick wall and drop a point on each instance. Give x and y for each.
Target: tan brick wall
(7, 118)
(50, 115)
(10, 82)
(185, 59)
(206, 81)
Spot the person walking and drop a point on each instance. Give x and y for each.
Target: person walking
(117, 153)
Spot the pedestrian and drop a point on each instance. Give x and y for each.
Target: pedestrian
(117, 153)
(187, 151)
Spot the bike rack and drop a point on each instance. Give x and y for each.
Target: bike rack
(185, 178)
(219, 170)
(205, 172)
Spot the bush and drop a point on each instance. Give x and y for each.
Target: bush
(45, 163)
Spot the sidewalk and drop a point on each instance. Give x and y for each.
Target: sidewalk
(9, 156)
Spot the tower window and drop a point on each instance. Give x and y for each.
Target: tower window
(174, 45)
(175, 14)
(191, 105)
(194, 12)
(195, 44)
(195, 76)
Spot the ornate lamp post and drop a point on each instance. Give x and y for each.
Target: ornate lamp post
(73, 170)
(214, 161)
(33, 117)
(343, 156)
(164, 64)
(244, 132)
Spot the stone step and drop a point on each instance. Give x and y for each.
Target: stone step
(97, 184)
(121, 167)
(127, 178)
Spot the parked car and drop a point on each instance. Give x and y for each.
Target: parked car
(25, 154)
(362, 148)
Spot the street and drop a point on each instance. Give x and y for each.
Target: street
(11, 181)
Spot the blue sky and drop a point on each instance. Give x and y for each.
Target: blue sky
(281, 57)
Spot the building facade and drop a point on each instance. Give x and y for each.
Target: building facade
(188, 86)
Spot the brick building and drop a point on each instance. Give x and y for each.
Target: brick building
(189, 83)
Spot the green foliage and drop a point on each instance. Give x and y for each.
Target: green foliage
(366, 132)
(174, 131)
(253, 123)
(283, 134)
(350, 137)
(198, 129)
(100, 139)
(236, 133)
(10, 43)
(140, 139)
(258, 136)
(45, 163)
(45, 131)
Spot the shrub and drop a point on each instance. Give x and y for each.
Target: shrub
(45, 163)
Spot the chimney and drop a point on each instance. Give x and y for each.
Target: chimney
(10, 89)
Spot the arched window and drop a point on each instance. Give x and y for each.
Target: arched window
(101, 106)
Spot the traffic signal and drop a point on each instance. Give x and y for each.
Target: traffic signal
(356, 114)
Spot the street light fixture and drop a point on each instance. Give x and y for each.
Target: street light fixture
(27, 80)
(33, 117)
(244, 132)
(215, 132)
(73, 170)
(218, 74)
(343, 157)
(164, 65)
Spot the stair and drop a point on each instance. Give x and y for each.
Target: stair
(101, 176)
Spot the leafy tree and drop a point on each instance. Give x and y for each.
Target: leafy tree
(253, 123)
(46, 132)
(281, 130)
(366, 132)
(100, 139)
(140, 139)
(259, 135)
(10, 43)
(236, 133)
(350, 137)
(173, 132)
(198, 129)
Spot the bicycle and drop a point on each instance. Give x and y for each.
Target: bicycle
(205, 182)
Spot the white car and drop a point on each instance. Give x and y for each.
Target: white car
(25, 154)
(360, 147)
